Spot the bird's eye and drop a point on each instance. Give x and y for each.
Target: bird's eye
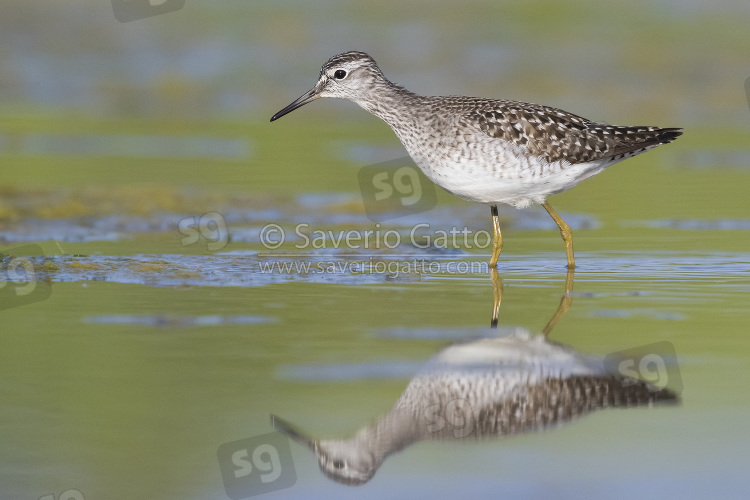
(340, 74)
(338, 464)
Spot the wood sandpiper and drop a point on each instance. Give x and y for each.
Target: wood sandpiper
(485, 150)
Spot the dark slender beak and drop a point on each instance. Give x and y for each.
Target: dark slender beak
(291, 431)
(304, 99)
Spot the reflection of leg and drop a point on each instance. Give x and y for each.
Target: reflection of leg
(565, 232)
(497, 293)
(497, 240)
(565, 302)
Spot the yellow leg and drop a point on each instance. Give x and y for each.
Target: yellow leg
(497, 240)
(565, 302)
(565, 232)
(497, 295)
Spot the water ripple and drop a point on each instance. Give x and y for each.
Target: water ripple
(249, 269)
(177, 321)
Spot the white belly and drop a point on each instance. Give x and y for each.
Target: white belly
(487, 170)
(519, 192)
(516, 182)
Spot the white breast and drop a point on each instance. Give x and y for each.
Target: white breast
(478, 168)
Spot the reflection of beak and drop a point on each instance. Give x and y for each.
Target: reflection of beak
(304, 99)
(285, 427)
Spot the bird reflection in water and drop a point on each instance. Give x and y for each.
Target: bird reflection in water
(506, 384)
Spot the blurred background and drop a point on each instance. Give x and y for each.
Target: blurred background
(213, 75)
(190, 93)
(146, 353)
(660, 61)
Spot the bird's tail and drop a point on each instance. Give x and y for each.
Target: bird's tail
(634, 140)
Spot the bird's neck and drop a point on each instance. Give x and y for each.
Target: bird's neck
(391, 103)
(390, 434)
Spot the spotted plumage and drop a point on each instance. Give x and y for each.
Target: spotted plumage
(558, 136)
(485, 150)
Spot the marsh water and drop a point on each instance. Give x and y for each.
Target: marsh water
(141, 356)
(148, 322)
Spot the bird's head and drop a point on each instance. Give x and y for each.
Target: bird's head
(350, 75)
(348, 462)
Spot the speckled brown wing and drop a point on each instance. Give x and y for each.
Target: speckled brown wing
(558, 136)
(556, 401)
